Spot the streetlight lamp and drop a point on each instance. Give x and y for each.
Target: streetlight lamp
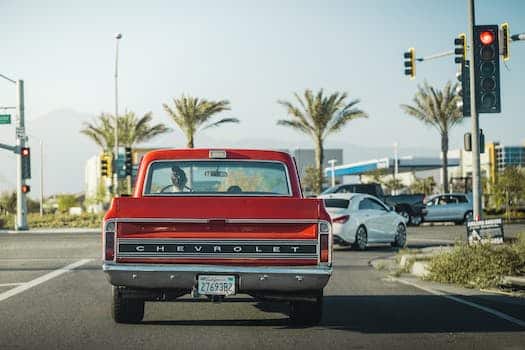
(118, 36)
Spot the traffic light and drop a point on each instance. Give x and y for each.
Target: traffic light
(464, 90)
(486, 66)
(461, 48)
(26, 188)
(25, 153)
(505, 41)
(128, 161)
(410, 62)
(105, 165)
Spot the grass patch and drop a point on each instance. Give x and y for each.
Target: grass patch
(36, 221)
(480, 266)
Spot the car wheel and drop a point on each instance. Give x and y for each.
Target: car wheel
(306, 312)
(401, 236)
(361, 238)
(416, 220)
(469, 216)
(126, 310)
(405, 216)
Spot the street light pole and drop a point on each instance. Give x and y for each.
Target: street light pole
(332, 164)
(118, 36)
(21, 200)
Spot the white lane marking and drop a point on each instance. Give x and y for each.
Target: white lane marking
(42, 279)
(493, 312)
(11, 284)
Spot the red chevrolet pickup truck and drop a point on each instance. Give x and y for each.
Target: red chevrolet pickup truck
(215, 223)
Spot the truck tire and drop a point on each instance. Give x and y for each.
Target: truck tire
(126, 310)
(306, 312)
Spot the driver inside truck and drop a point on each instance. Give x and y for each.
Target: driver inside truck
(178, 179)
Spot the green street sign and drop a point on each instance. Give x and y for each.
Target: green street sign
(5, 118)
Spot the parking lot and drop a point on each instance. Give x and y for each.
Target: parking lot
(53, 295)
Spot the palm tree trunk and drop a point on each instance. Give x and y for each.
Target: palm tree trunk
(319, 160)
(444, 157)
(190, 143)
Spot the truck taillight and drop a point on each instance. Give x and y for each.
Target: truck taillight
(109, 240)
(325, 242)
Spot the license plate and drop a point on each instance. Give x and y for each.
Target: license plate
(216, 285)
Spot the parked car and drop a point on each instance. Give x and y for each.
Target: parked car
(359, 219)
(410, 206)
(455, 207)
(216, 223)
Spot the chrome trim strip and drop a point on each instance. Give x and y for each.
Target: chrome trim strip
(318, 270)
(288, 181)
(216, 241)
(218, 256)
(228, 221)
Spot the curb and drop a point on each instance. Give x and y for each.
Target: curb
(51, 231)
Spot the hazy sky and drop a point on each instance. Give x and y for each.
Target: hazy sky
(252, 53)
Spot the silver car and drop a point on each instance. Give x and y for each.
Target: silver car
(455, 207)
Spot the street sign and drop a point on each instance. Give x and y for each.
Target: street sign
(490, 231)
(5, 118)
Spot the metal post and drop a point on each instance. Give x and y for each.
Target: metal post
(332, 164)
(118, 36)
(41, 178)
(476, 183)
(396, 169)
(21, 201)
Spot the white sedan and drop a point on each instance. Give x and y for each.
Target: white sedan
(359, 219)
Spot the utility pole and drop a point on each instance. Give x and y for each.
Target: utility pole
(396, 166)
(21, 200)
(118, 36)
(476, 183)
(332, 165)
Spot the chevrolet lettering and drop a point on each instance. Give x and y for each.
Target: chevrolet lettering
(194, 225)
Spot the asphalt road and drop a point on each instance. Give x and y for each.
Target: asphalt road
(47, 303)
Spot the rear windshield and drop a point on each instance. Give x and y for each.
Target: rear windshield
(217, 177)
(336, 203)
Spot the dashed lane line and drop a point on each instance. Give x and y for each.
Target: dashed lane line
(48, 276)
(493, 312)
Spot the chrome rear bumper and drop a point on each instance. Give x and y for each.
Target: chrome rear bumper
(155, 276)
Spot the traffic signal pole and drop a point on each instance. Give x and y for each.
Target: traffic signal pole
(476, 179)
(21, 200)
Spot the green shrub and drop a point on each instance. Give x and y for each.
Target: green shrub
(481, 265)
(35, 221)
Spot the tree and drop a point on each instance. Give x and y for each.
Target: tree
(425, 186)
(439, 109)
(319, 116)
(131, 130)
(193, 114)
(310, 178)
(66, 201)
(509, 188)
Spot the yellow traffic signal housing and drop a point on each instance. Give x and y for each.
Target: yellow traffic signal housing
(106, 168)
(505, 41)
(410, 63)
(461, 48)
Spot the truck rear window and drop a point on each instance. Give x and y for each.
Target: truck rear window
(217, 177)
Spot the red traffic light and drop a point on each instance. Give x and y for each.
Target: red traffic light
(26, 188)
(486, 37)
(24, 151)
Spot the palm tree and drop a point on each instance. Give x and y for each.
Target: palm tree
(191, 113)
(438, 108)
(319, 116)
(132, 130)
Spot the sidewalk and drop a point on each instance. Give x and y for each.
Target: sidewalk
(51, 231)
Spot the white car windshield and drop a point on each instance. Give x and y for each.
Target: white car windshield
(224, 177)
